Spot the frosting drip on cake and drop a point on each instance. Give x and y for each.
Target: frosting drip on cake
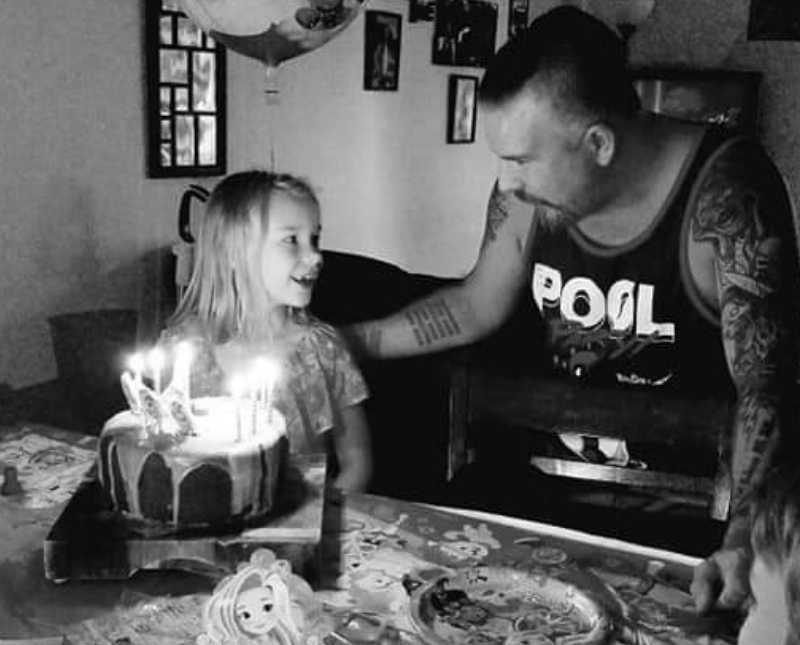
(213, 475)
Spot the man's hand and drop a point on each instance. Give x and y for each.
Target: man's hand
(722, 581)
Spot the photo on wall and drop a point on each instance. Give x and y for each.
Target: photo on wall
(461, 108)
(727, 98)
(382, 33)
(464, 32)
(421, 10)
(774, 20)
(517, 17)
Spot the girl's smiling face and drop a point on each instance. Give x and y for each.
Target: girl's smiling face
(290, 257)
(255, 610)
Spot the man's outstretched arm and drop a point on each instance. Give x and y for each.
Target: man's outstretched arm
(739, 214)
(467, 311)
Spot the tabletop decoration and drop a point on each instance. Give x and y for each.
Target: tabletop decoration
(485, 604)
(46, 470)
(263, 602)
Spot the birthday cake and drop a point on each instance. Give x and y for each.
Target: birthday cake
(191, 463)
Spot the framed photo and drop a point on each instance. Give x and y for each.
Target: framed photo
(724, 97)
(517, 17)
(774, 20)
(461, 108)
(381, 50)
(464, 32)
(185, 103)
(421, 10)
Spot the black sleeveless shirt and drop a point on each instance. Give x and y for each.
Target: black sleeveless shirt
(630, 316)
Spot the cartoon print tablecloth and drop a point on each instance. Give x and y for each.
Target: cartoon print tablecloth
(386, 546)
(376, 550)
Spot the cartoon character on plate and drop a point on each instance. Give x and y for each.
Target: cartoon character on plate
(263, 603)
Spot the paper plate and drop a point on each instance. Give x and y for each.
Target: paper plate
(503, 606)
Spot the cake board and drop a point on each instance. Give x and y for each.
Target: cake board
(89, 541)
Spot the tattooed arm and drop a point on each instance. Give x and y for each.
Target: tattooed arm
(462, 313)
(741, 220)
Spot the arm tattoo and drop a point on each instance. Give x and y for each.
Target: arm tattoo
(737, 218)
(496, 214)
(432, 320)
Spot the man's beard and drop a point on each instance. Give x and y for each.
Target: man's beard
(548, 215)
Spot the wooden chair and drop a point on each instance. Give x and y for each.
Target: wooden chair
(488, 397)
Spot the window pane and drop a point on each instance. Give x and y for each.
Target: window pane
(166, 129)
(181, 99)
(184, 141)
(210, 42)
(166, 155)
(189, 35)
(207, 144)
(165, 100)
(170, 5)
(165, 30)
(203, 88)
(173, 66)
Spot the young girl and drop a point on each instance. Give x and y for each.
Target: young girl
(774, 616)
(257, 258)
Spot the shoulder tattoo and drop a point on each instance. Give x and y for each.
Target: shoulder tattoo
(731, 214)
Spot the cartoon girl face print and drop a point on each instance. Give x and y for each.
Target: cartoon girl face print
(462, 550)
(255, 610)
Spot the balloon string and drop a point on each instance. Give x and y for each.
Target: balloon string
(271, 93)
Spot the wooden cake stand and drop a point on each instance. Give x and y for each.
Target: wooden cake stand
(91, 541)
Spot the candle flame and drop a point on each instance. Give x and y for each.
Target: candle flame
(237, 386)
(184, 352)
(155, 358)
(136, 362)
(267, 371)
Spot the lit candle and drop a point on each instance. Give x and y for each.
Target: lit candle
(182, 369)
(270, 375)
(155, 361)
(237, 391)
(136, 366)
(252, 390)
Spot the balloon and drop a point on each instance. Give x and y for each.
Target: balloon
(272, 30)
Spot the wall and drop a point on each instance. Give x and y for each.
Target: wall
(713, 34)
(388, 182)
(79, 223)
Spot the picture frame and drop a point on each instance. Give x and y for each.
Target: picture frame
(185, 102)
(517, 17)
(462, 103)
(724, 97)
(421, 10)
(464, 32)
(382, 39)
(774, 20)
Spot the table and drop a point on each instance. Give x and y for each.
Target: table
(370, 544)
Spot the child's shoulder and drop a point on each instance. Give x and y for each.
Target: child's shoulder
(316, 328)
(322, 336)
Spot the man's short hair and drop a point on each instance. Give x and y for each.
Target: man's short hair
(579, 61)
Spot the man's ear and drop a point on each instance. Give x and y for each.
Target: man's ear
(602, 143)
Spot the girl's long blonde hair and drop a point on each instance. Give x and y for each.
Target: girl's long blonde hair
(226, 281)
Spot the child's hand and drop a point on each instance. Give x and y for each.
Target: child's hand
(351, 481)
(353, 450)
